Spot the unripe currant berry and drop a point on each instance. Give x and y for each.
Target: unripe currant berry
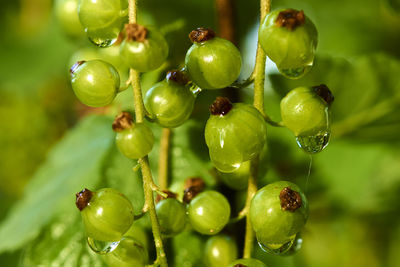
(134, 140)
(305, 111)
(171, 215)
(95, 82)
(102, 19)
(212, 62)
(278, 212)
(250, 262)
(67, 15)
(289, 39)
(238, 179)
(220, 251)
(209, 212)
(130, 252)
(170, 102)
(144, 49)
(107, 214)
(234, 133)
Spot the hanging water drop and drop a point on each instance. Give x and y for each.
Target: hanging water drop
(103, 37)
(277, 249)
(315, 143)
(297, 244)
(102, 247)
(295, 73)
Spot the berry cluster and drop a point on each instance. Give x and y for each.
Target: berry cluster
(235, 133)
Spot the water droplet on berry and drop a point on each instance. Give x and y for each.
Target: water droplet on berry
(315, 143)
(295, 73)
(297, 244)
(277, 249)
(102, 247)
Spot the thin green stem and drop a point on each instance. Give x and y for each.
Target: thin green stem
(259, 80)
(163, 158)
(148, 183)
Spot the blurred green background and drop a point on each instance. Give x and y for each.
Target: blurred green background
(52, 146)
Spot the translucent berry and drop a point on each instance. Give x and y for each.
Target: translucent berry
(212, 62)
(95, 82)
(220, 250)
(170, 102)
(134, 140)
(235, 133)
(144, 48)
(103, 19)
(67, 15)
(171, 215)
(305, 111)
(107, 214)
(289, 39)
(130, 252)
(278, 212)
(209, 212)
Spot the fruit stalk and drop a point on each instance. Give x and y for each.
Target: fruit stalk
(259, 72)
(163, 158)
(144, 162)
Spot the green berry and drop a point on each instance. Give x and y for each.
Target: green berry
(278, 212)
(134, 140)
(95, 82)
(107, 214)
(170, 102)
(289, 39)
(235, 133)
(144, 49)
(67, 15)
(305, 110)
(209, 212)
(171, 215)
(238, 179)
(102, 19)
(212, 62)
(247, 263)
(130, 252)
(220, 250)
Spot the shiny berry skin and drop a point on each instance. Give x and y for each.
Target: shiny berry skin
(220, 250)
(209, 212)
(136, 141)
(289, 39)
(234, 135)
(238, 179)
(171, 215)
(67, 15)
(107, 214)
(305, 110)
(170, 103)
(102, 19)
(247, 263)
(278, 212)
(130, 252)
(146, 52)
(213, 63)
(95, 82)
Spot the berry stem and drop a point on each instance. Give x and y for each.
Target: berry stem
(144, 162)
(163, 160)
(259, 79)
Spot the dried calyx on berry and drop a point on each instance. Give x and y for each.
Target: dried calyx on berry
(169, 195)
(290, 18)
(82, 198)
(201, 34)
(193, 186)
(221, 106)
(290, 199)
(177, 76)
(122, 121)
(323, 91)
(136, 32)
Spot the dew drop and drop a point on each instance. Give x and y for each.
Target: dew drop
(297, 244)
(101, 42)
(102, 37)
(295, 73)
(102, 247)
(277, 249)
(315, 143)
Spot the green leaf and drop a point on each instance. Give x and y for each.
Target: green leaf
(73, 164)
